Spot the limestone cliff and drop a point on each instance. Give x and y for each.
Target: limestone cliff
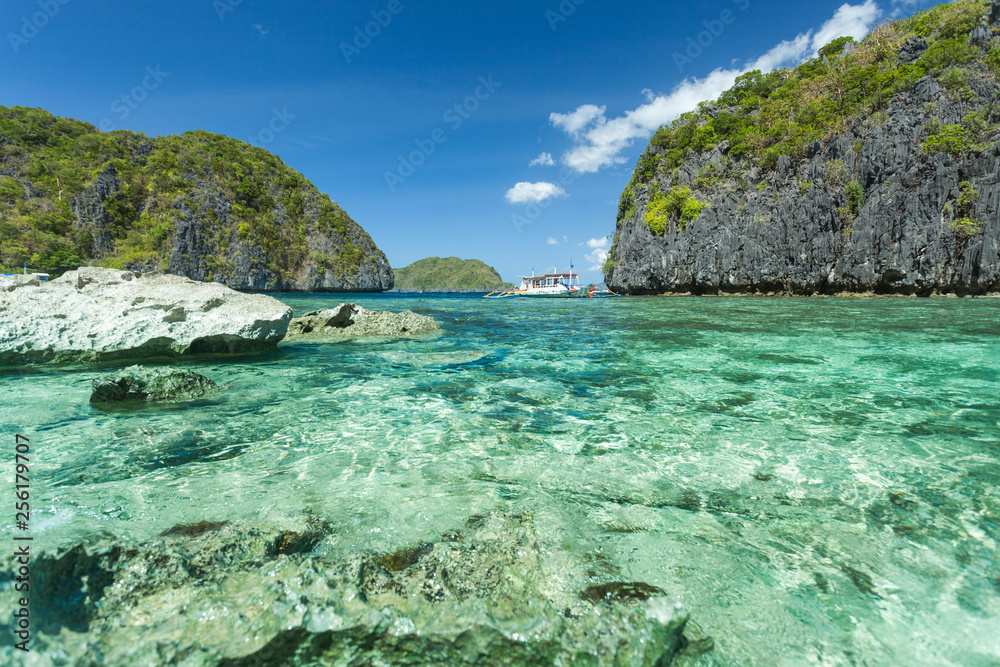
(874, 167)
(198, 205)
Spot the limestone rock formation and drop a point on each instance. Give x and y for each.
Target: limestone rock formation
(11, 283)
(199, 205)
(351, 320)
(96, 314)
(901, 195)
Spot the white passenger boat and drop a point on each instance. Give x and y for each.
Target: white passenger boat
(550, 285)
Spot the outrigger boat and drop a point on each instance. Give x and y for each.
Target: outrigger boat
(551, 285)
(594, 293)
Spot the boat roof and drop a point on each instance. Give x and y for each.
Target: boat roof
(551, 275)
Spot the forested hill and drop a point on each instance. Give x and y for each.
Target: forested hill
(449, 274)
(198, 204)
(873, 167)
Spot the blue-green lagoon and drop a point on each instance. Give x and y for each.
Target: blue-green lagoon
(816, 481)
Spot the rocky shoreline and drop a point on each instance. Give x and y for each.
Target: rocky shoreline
(96, 315)
(443, 290)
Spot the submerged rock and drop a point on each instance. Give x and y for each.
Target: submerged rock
(137, 383)
(95, 314)
(350, 320)
(234, 594)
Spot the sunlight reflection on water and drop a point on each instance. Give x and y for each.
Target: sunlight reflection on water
(818, 479)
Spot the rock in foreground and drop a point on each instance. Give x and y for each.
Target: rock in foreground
(9, 283)
(228, 594)
(95, 314)
(351, 320)
(138, 384)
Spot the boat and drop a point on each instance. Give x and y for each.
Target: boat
(594, 293)
(549, 285)
(44, 277)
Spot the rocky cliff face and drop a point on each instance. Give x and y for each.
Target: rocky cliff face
(198, 205)
(903, 198)
(341, 259)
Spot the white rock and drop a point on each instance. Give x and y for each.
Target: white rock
(11, 283)
(95, 314)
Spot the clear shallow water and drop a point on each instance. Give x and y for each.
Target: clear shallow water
(818, 479)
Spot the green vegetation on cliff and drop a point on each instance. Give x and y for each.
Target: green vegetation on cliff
(71, 195)
(449, 273)
(678, 203)
(787, 112)
(871, 167)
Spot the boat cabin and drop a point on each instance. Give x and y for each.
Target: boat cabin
(549, 280)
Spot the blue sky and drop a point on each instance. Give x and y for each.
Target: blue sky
(498, 131)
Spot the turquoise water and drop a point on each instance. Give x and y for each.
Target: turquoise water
(817, 479)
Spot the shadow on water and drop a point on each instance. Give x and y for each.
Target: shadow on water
(191, 451)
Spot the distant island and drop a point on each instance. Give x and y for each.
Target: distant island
(449, 274)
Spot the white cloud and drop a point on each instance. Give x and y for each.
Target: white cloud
(524, 192)
(572, 123)
(543, 160)
(599, 253)
(849, 20)
(552, 241)
(600, 141)
(604, 140)
(788, 51)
